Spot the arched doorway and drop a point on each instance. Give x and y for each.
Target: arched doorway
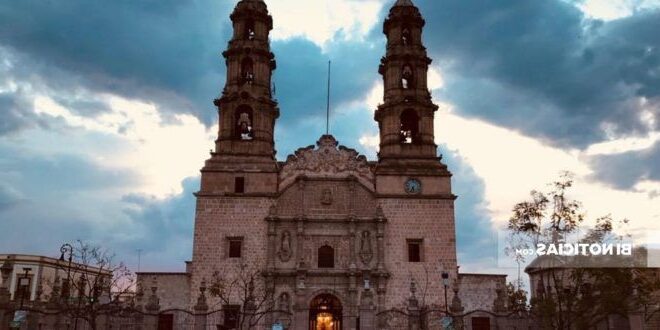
(325, 313)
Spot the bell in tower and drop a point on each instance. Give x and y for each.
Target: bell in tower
(405, 118)
(244, 158)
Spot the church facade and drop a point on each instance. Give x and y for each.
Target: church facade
(327, 238)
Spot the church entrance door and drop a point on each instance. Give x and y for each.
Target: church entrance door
(325, 313)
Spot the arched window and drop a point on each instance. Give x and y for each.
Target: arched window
(249, 30)
(409, 127)
(247, 71)
(406, 77)
(406, 38)
(326, 257)
(243, 120)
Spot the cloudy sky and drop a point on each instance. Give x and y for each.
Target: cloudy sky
(106, 111)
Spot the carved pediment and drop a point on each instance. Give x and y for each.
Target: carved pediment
(327, 160)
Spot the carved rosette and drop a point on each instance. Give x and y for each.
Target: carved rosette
(327, 160)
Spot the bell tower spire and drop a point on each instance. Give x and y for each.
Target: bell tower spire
(243, 162)
(247, 108)
(405, 119)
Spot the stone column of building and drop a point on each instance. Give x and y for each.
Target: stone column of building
(239, 180)
(413, 185)
(5, 296)
(150, 320)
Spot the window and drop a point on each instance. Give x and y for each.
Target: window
(235, 247)
(480, 323)
(409, 127)
(326, 257)
(247, 71)
(239, 185)
(414, 250)
(165, 321)
(407, 77)
(232, 313)
(243, 130)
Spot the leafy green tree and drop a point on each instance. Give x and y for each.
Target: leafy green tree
(578, 291)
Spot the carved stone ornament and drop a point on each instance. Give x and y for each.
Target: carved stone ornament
(284, 302)
(326, 197)
(366, 253)
(327, 160)
(285, 247)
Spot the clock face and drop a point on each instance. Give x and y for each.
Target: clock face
(413, 186)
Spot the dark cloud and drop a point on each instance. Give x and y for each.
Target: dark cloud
(541, 68)
(476, 239)
(164, 227)
(8, 196)
(624, 170)
(16, 113)
(167, 52)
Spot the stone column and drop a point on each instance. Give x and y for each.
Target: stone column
(367, 310)
(201, 308)
(5, 296)
(272, 238)
(300, 313)
(152, 308)
(414, 314)
(456, 308)
(380, 236)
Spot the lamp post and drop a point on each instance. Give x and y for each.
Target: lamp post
(24, 283)
(445, 284)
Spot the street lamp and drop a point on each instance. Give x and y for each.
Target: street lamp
(24, 284)
(67, 248)
(445, 283)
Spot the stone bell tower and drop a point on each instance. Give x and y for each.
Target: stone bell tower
(405, 119)
(244, 158)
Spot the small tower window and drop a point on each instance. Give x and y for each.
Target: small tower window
(409, 127)
(235, 247)
(326, 257)
(406, 38)
(407, 77)
(249, 30)
(247, 71)
(414, 250)
(244, 130)
(239, 185)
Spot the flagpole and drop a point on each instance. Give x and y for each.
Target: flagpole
(327, 110)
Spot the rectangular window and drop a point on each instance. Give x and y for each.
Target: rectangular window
(232, 313)
(414, 250)
(235, 247)
(239, 185)
(480, 323)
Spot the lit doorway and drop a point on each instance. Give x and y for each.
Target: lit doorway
(325, 313)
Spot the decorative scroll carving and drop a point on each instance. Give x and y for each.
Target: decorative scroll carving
(328, 160)
(366, 253)
(285, 247)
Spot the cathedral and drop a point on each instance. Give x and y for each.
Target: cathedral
(326, 239)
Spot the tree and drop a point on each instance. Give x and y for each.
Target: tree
(245, 289)
(516, 298)
(89, 283)
(576, 291)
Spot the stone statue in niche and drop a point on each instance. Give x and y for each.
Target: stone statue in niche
(326, 197)
(285, 247)
(366, 253)
(285, 302)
